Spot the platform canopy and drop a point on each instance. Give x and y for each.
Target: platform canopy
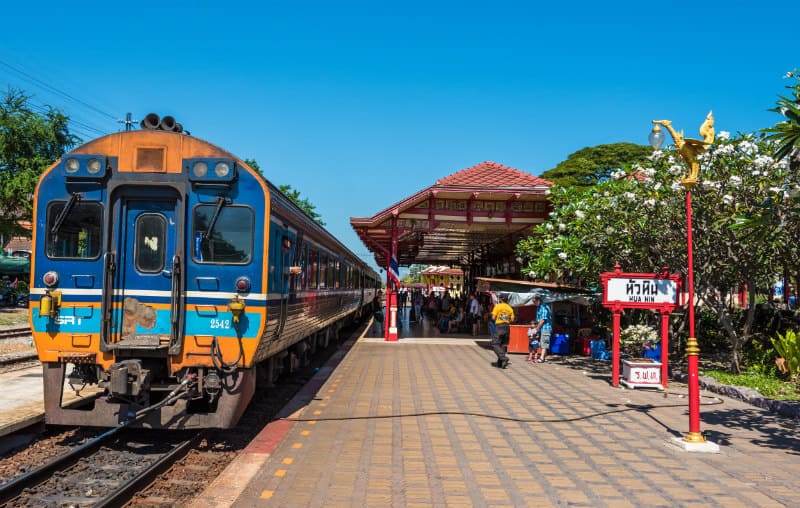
(466, 218)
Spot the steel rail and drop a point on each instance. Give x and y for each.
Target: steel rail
(13, 488)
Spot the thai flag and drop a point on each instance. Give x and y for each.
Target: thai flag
(394, 272)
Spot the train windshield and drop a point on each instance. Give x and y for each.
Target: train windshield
(231, 238)
(76, 230)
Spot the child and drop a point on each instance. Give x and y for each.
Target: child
(533, 343)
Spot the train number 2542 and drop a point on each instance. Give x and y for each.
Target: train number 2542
(220, 323)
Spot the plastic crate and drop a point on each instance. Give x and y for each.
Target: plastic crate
(559, 344)
(597, 348)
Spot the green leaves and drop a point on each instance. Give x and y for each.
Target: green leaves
(29, 143)
(303, 203)
(591, 165)
(788, 347)
(787, 133)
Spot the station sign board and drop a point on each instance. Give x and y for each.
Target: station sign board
(625, 290)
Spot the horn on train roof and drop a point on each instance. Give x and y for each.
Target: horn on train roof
(168, 123)
(151, 121)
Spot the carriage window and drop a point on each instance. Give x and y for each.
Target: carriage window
(323, 271)
(336, 274)
(79, 233)
(151, 239)
(312, 269)
(231, 238)
(300, 280)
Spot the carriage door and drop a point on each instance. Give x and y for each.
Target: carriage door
(148, 282)
(280, 258)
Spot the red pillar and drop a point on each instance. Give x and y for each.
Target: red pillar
(692, 348)
(664, 348)
(617, 313)
(391, 315)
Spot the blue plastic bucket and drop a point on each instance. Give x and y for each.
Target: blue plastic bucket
(559, 344)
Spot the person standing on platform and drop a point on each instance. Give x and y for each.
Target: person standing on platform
(475, 314)
(490, 317)
(401, 299)
(533, 343)
(503, 315)
(544, 326)
(377, 315)
(418, 305)
(446, 302)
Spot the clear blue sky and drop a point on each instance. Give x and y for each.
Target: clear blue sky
(360, 104)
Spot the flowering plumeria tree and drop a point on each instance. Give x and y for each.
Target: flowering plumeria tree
(637, 219)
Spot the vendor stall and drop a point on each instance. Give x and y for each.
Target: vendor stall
(569, 305)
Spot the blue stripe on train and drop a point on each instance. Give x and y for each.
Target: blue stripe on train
(199, 322)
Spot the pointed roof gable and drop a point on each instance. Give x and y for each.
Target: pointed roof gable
(487, 173)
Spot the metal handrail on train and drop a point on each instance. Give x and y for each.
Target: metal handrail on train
(284, 305)
(175, 339)
(106, 309)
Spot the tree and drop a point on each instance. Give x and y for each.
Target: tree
(591, 165)
(29, 143)
(787, 131)
(638, 219)
(254, 166)
(292, 194)
(415, 273)
(303, 203)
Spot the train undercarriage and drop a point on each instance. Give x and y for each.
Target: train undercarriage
(138, 392)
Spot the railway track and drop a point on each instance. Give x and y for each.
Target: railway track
(16, 348)
(15, 332)
(105, 471)
(139, 468)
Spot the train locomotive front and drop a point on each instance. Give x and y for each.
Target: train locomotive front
(167, 276)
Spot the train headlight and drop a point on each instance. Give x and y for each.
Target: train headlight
(210, 170)
(221, 169)
(94, 166)
(85, 166)
(72, 165)
(199, 169)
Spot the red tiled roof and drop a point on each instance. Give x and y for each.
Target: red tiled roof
(18, 243)
(487, 173)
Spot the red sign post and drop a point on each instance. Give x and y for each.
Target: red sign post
(626, 290)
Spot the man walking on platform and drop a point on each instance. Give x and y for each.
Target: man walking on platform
(503, 315)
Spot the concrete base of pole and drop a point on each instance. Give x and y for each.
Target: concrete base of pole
(703, 447)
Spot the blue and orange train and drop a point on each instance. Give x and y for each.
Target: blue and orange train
(170, 277)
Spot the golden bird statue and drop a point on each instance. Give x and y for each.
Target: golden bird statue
(690, 148)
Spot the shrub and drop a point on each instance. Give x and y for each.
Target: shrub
(788, 347)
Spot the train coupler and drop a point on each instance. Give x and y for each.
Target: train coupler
(212, 385)
(128, 379)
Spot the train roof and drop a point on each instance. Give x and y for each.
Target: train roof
(180, 145)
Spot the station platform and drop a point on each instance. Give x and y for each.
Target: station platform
(428, 421)
(22, 399)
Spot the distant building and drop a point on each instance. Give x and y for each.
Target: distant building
(444, 277)
(18, 245)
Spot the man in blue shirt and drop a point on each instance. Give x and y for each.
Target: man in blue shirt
(544, 325)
